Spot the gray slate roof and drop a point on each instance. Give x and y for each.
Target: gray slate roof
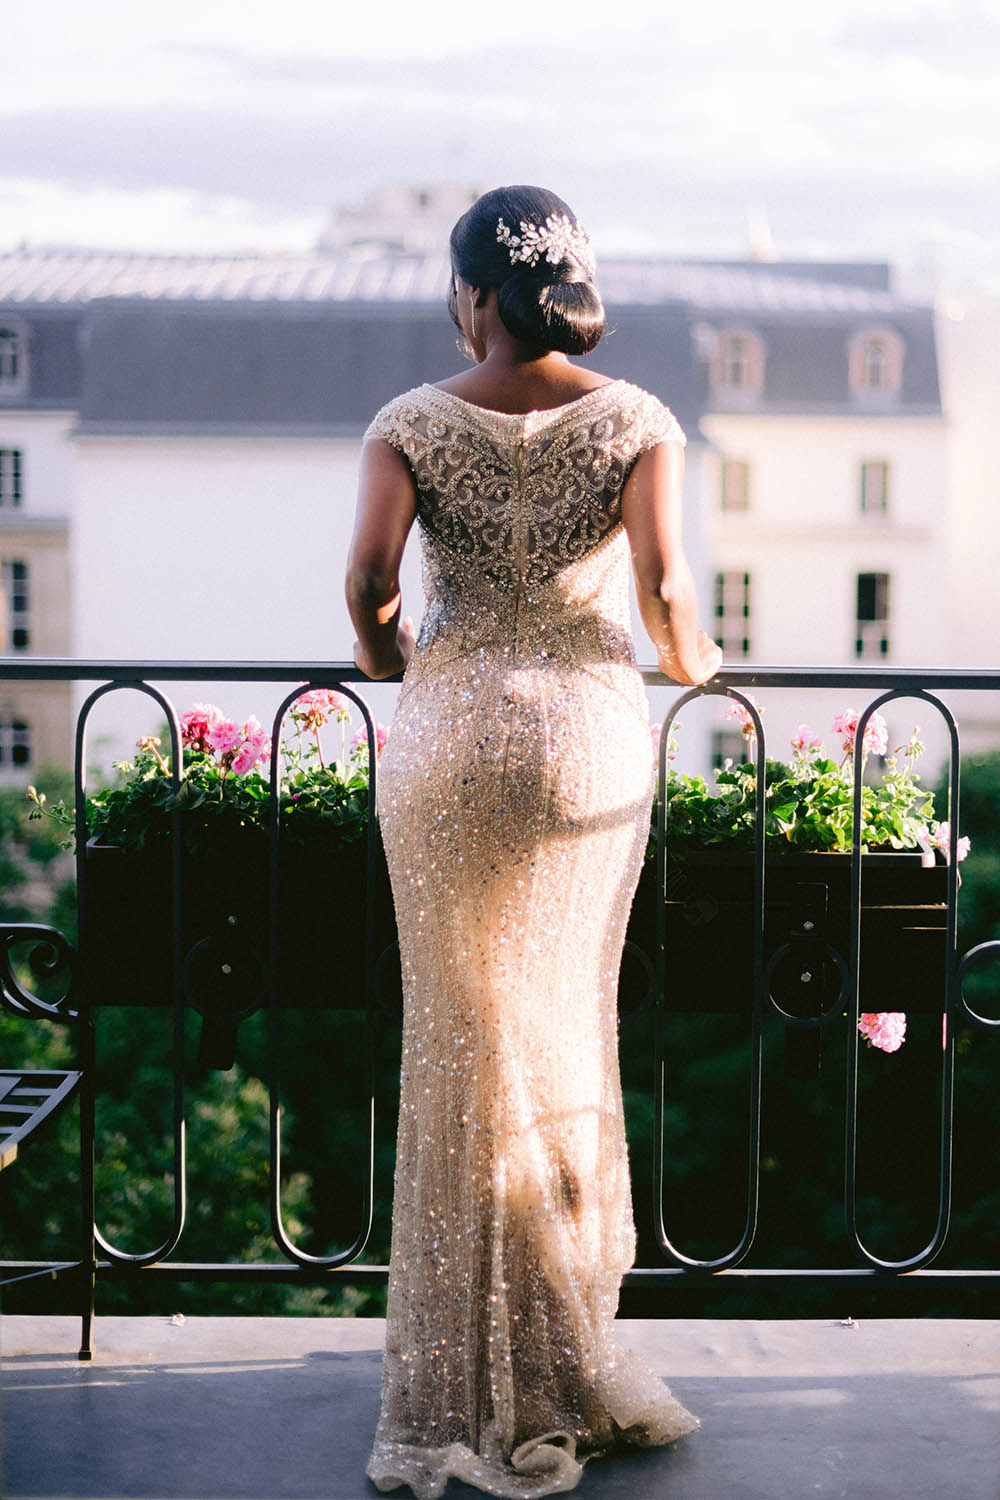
(283, 344)
(77, 277)
(274, 368)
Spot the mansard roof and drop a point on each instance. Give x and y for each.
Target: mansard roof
(76, 277)
(314, 344)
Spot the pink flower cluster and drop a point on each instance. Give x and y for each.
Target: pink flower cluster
(885, 1029)
(656, 734)
(313, 709)
(805, 742)
(942, 840)
(737, 710)
(876, 733)
(196, 724)
(240, 747)
(359, 742)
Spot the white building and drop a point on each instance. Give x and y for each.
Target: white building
(187, 433)
(969, 334)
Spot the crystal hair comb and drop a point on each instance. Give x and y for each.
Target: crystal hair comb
(558, 239)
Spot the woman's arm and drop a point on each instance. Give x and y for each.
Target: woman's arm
(652, 516)
(386, 511)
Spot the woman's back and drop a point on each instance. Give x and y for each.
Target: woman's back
(520, 518)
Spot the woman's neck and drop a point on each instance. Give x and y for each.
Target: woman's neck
(512, 379)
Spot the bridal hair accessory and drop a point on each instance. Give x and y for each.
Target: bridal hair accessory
(558, 239)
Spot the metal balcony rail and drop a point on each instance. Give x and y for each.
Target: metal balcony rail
(80, 1005)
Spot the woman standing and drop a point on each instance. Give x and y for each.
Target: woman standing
(514, 802)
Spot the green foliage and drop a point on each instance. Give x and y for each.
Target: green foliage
(29, 850)
(808, 804)
(217, 808)
(979, 895)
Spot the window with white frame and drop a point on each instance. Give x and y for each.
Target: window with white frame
(16, 605)
(11, 477)
(732, 613)
(735, 493)
(871, 636)
(875, 363)
(736, 362)
(874, 487)
(15, 742)
(737, 367)
(13, 357)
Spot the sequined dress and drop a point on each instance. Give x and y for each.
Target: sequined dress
(514, 801)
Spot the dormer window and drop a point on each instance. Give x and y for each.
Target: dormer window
(737, 368)
(13, 358)
(874, 365)
(875, 359)
(736, 363)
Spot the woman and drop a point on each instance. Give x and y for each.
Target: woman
(514, 801)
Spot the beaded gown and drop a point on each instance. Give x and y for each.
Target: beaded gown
(514, 800)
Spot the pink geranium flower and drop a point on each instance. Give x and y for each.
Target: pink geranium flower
(255, 746)
(196, 725)
(223, 736)
(313, 709)
(359, 741)
(805, 742)
(876, 732)
(942, 840)
(656, 734)
(884, 1029)
(737, 710)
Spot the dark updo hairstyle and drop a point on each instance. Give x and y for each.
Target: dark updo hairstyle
(545, 306)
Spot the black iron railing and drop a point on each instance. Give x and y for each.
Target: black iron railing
(80, 1005)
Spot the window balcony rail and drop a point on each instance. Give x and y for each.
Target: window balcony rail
(757, 993)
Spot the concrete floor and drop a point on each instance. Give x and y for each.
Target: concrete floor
(255, 1408)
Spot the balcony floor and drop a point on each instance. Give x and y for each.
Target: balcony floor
(262, 1408)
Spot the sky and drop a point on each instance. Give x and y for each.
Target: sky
(857, 128)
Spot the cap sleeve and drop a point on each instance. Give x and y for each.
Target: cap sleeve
(656, 423)
(390, 424)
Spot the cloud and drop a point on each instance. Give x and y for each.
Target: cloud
(861, 134)
(964, 39)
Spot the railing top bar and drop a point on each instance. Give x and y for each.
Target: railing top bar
(875, 678)
(65, 669)
(80, 669)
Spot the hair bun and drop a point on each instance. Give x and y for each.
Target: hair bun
(565, 314)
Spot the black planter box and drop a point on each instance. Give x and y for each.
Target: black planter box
(709, 930)
(128, 917)
(127, 937)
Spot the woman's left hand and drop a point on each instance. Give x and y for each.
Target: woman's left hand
(403, 649)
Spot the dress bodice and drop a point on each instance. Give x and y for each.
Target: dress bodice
(520, 519)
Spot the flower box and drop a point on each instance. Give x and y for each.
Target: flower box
(709, 935)
(320, 962)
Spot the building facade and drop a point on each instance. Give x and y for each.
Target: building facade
(179, 441)
(39, 394)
